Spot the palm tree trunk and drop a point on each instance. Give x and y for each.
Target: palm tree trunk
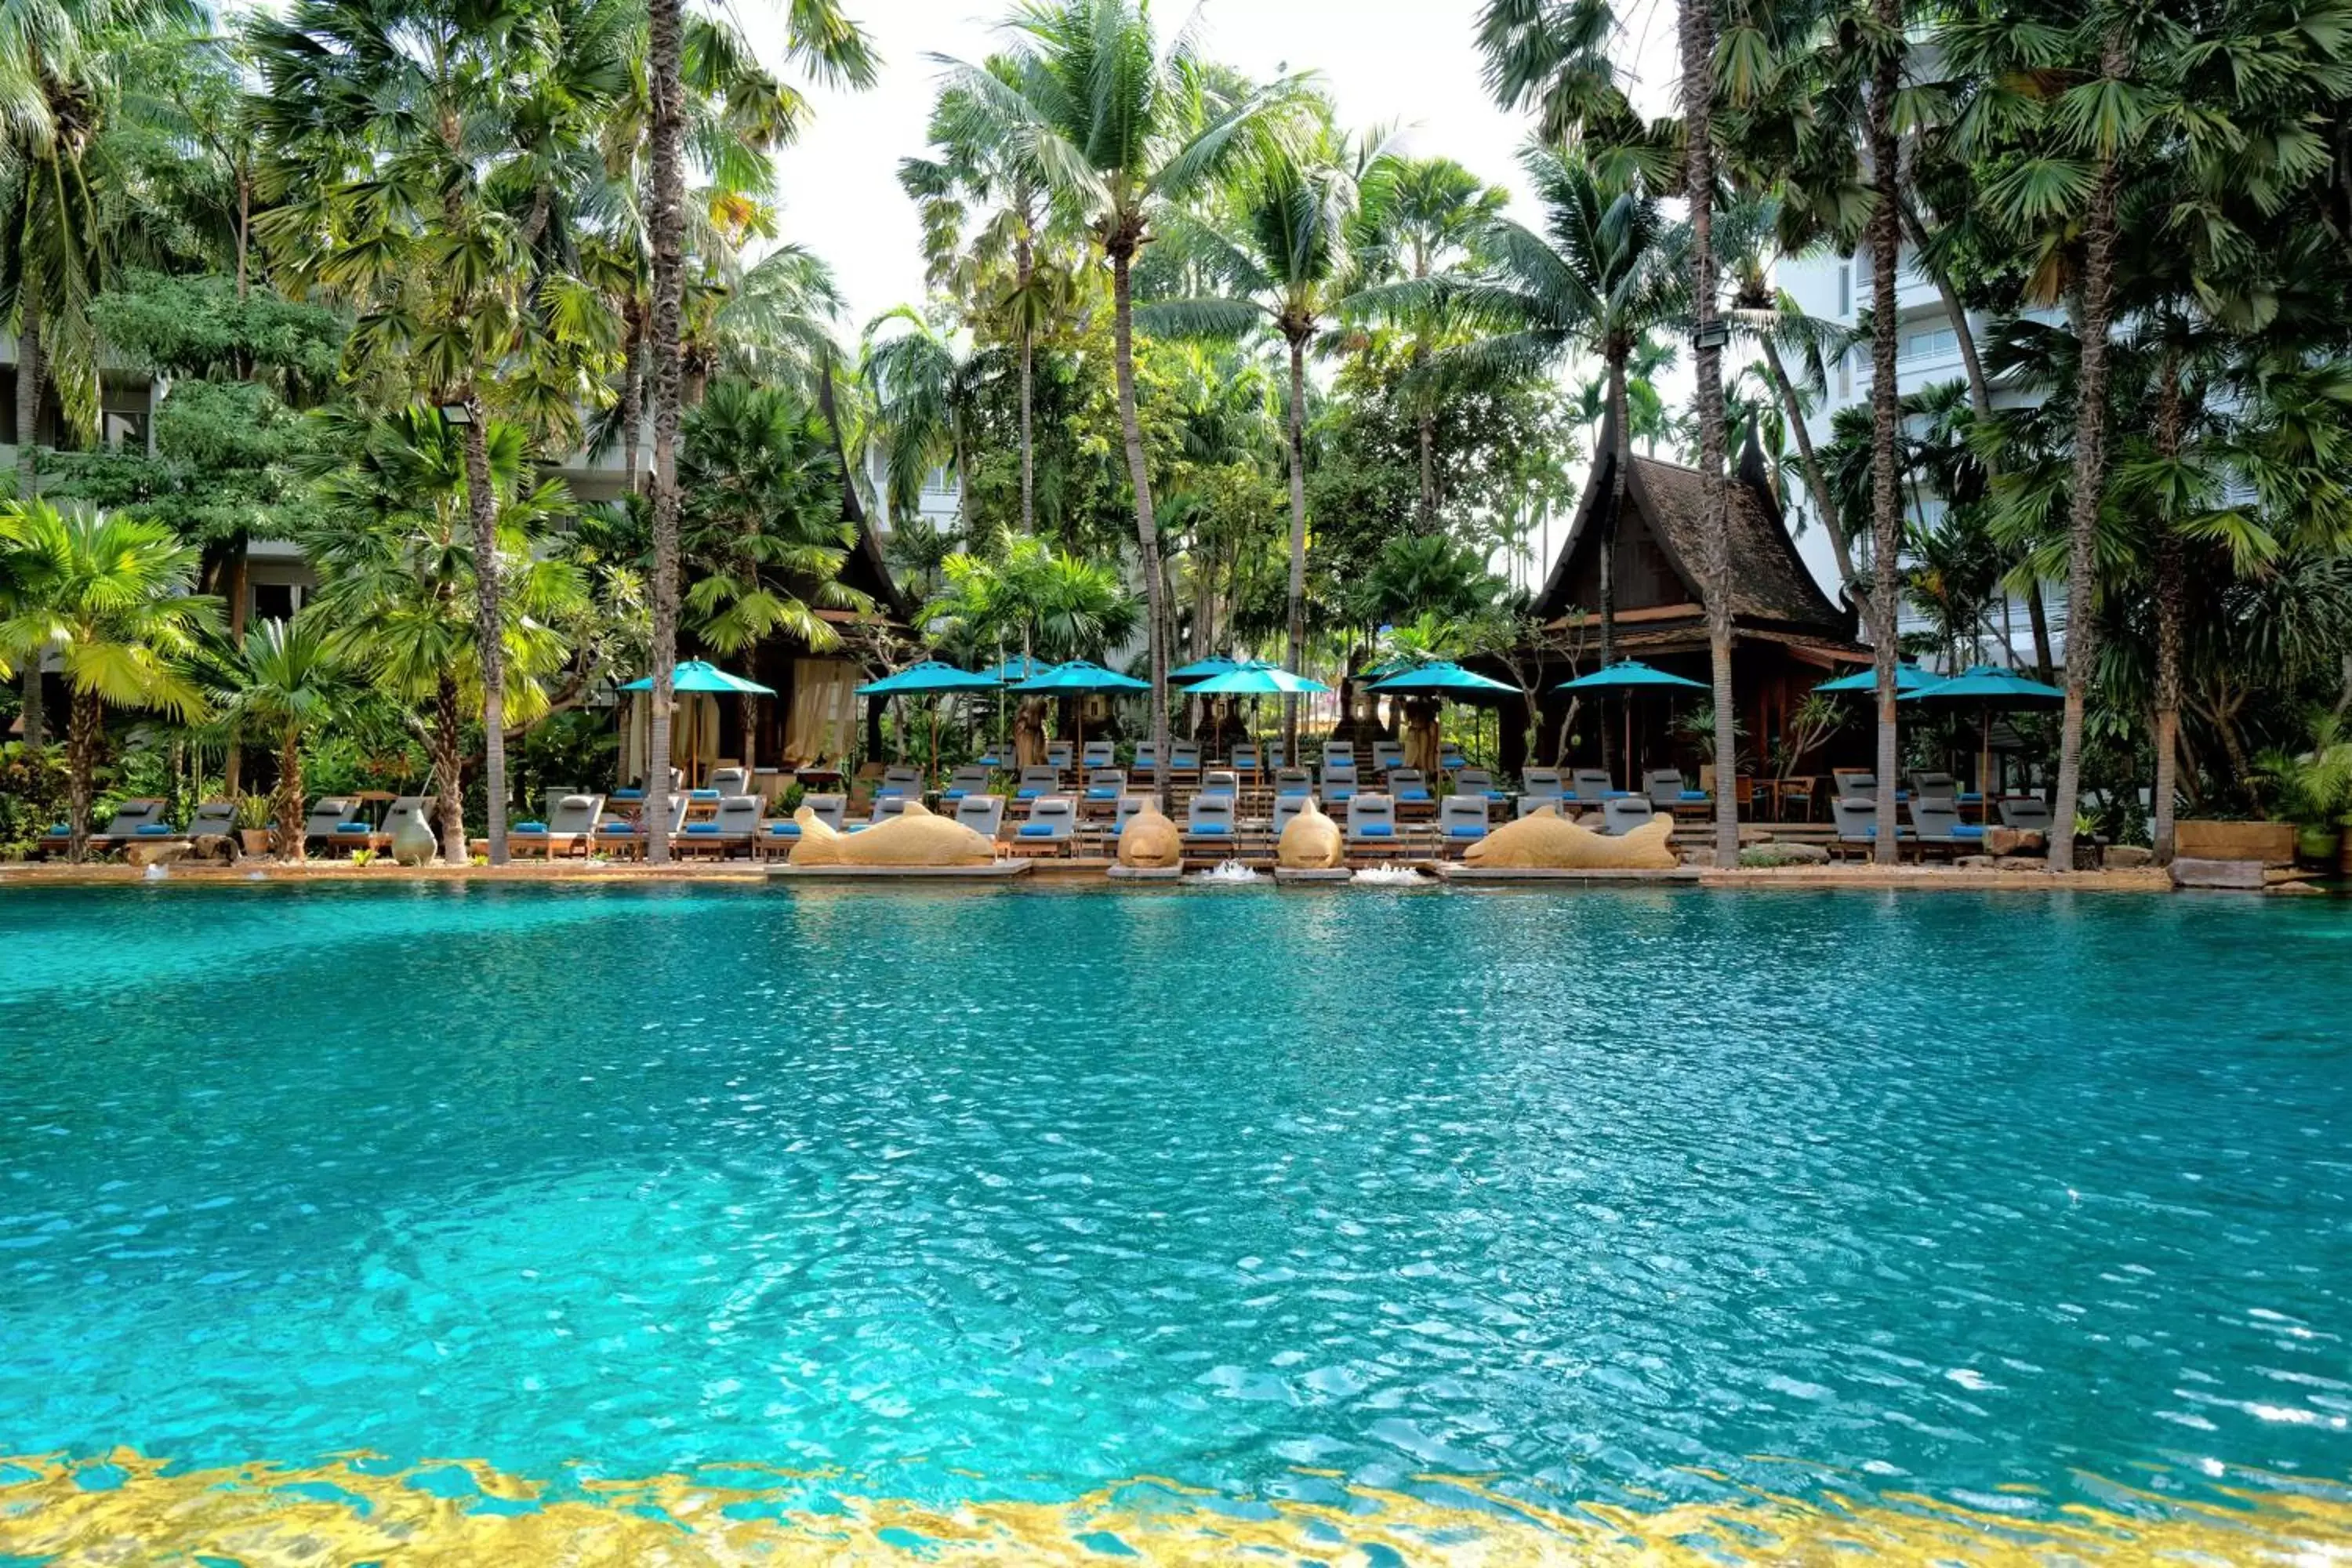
(2172, 614)
(1428, 471)
(29, 391)
(85, 735)
(748, 714)
(1815, 481)
(2089, 481)
(1026, 265)
(1621, 463)
(490, 623)
(1698, 99)
(667, 224)
(449, 770)
(633, 394)
(290, 797)
(1147, 529)
(1296, 599)
(36, 722)
(1885, 417)
(1979, 404)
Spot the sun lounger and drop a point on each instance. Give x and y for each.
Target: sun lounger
(1373, 830)
(983, 814)
(1104, 786)
(1934, 786)
(1479, 782)
(1591, 786)
(1338, 782)
(1293, 784)
(1409, 789)
(1276, 757)
(1341, 754)
(339, 820)
(1052, 827)
(1937, 824)
(1857, 826)
(627, 839)
(1184, 760)
(571, 825)
(1210, 832)
(1626, 813)
(1061, 756)
(900, 782)
(885, 807)
(1035, 783)
(730, 781)
(1098, 754)
(1222, 781)
(734, 825)
(969, 779)
(1666, 792)
(831, 809)
(1461, 822)
(2027, 813)
(1246, 759)
(1538, 788)
(1450, 758)
(134, 821)
(1147, 760)
(1386, 755)
(213, 817)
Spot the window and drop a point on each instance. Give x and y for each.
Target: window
(1846, 288)
(1934, 344)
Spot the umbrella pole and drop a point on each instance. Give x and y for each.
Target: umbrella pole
(1984, 763)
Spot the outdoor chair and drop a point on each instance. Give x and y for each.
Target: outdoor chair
(1626, 813)
(1591, 786)
(1099, 754)
(1387, 756)
(1293, 784)
(1277, 758)
(969, 779)
(1538, 788)
(1450, 758)
(1341, 754)
(1105, 785)
(1147, 759)
(1209, 828)
(2027, 813)
(731, 781)
(1222, 781)
(1246, 759)
(1857, 826)
(570, 824)
(733, 827)
(1664, 789)
(1052, 827)
(133, 821)
(829, 808)
(1061, 756)
(333, 819)
(1035, 783)
(1479, 782)
(211, 817)
(900, 782)
(628, 838)
(555, 795)
(1338, 782)
(1461, 822)
(1372, 828)
(1184, 760)
(983, 814)
(1937, 824)
(885, 807)
(1409, 789)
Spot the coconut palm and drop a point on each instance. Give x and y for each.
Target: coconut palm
(1284, 262)
(816, 38)
(109, 596)
(927, 389)
(1607, 269)
(764, 526)
(291, 681)
(1120, 128)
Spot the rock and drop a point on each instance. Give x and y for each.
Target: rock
(1777, 852)
(2189, 872)
(1151, 840)
(2019, 863)
(1974, 862)
(916, 837)
(1310, 842)
(166, 854)
(1548, 842)
(1700, 855)
(2016, 841)
(2128, 857)
(2296, 889)
(217, 847)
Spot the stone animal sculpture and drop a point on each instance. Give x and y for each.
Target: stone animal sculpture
(1311, 842)
(916, 837)
(1150, 841)
(1546, 841)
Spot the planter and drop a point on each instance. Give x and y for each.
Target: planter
(254, 840)
(2271, 843)
(2318, 844)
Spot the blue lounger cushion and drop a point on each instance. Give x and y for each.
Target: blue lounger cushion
(1036, 830)
(1028, 793)
(1209, 830)
(702, 794)
(1968, 830)
(1102, 794)
(703, 827)
(528, 827)
(628, 794)
(1465, 830)
(1696, 794)
(1376, 830)
(784, 830)
(59, 830)
(1413, 794)
(154, 828)
(339, 827)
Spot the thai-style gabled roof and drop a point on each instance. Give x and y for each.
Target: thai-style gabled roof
(1771, 587)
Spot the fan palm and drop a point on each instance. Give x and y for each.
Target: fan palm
(290, 681)
(1119, 128)
(109, 598)
(927, 390)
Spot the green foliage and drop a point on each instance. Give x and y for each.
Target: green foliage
(32, 795)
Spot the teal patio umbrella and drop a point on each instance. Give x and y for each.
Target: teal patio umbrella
(1908, 678)
(930, 677)
(1986, 688)
(1446, 681)
(1630, 678)
(1207, 668)
(1254, 678)
(1077, 679)
(694, 678)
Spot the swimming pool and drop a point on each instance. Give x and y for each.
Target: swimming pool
(740, 1225)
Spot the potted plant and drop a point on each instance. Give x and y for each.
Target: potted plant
(2313, 789)
(253, 812)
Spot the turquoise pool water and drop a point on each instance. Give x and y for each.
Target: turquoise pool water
(1000, 1200)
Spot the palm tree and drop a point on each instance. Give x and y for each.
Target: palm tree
(289, 681)
(1286, 263)
(927, 391)
(763, 525)
(819, 38)
(1121, 129)
(413, 155)
(1607, 269)
(399, 578)
(109, 597)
